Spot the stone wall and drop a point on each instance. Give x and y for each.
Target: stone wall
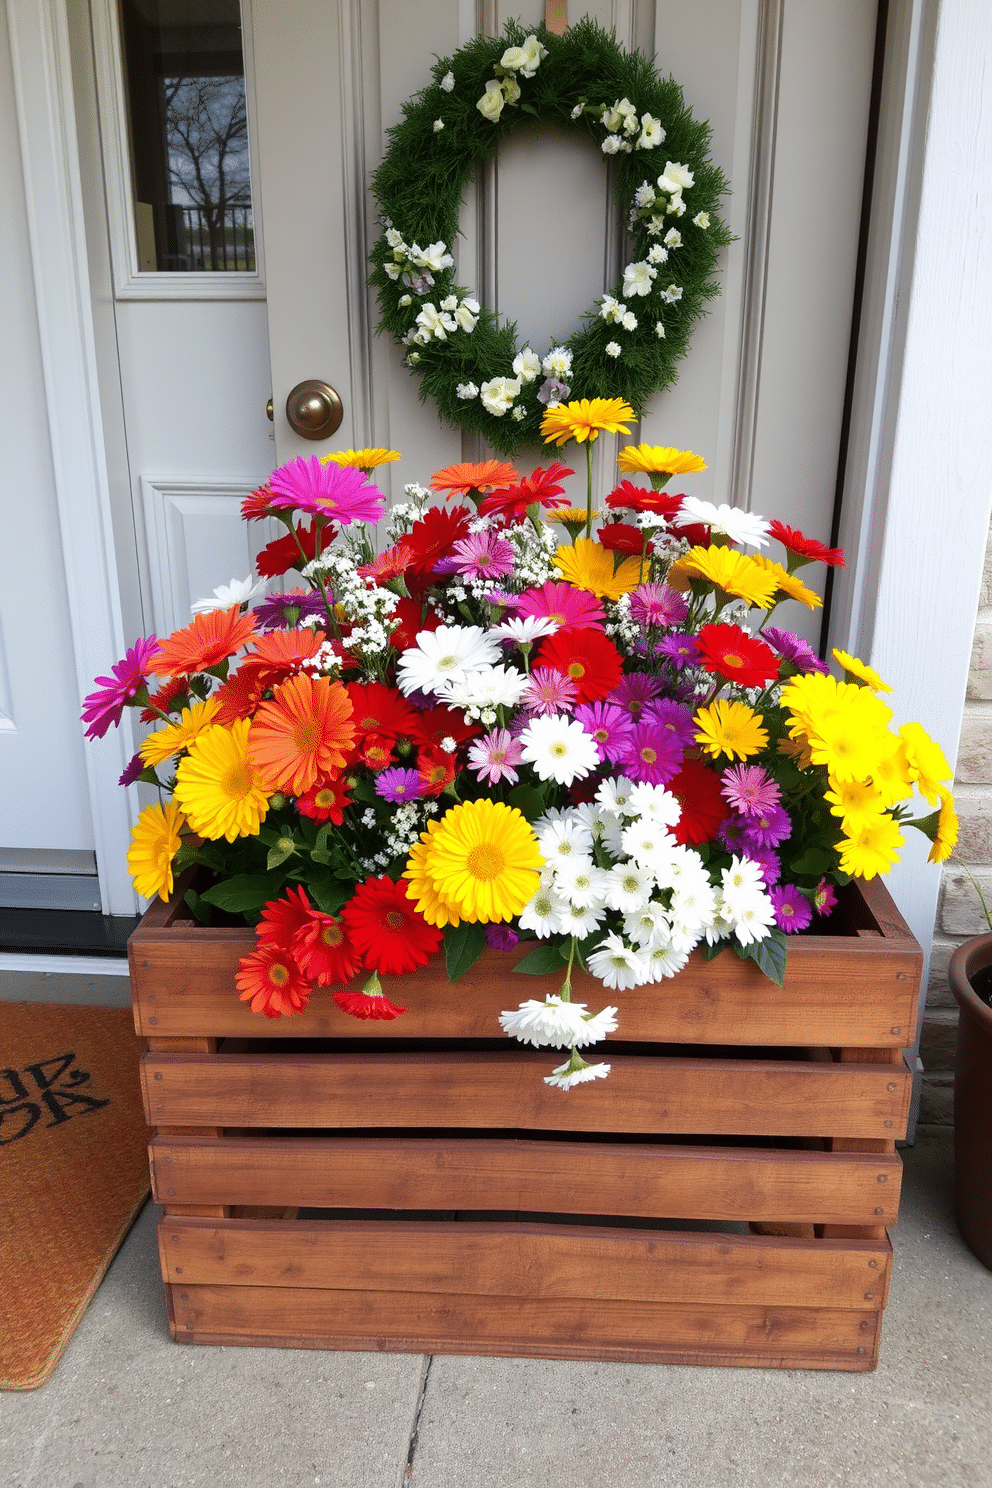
(959, 912)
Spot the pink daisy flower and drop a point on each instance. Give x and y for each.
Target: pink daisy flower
(331, 490)
(549, 692)
(106, 707)
(652, 754)
(493, 757)
(793, 910)
(674, 716)
(658, 604)
(609, 725)
(481, 555)
(750, 789)
(634, 691)
(570, 608)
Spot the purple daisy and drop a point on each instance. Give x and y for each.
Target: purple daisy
(679, 649)
(337, 491)
(824, 897)
(398, 784)
(767, 860)
(793, 910)
(750, 789)
(657, 604)
(493, 757)
(106, 707)
(132, 770)
(549, 691)
(500, 937)
(734, 836)
(285, 611)
(769, 827)
(483, 555)
(652, 754)
(609, 725)
(634, 691)
(794, 649)
(674, 716)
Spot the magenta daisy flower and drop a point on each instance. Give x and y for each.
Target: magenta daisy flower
(500, 937)
(658, 604)
(609, 725)
(750, 789)
(398, 784)
(482, 555)
(652, 754)
(106, 707)
(824, 897)
(634, 691)
(793, 910)
(794, 649)
(679, 649)
(134, 767)
(674, 716)
(767, 860)
(570, 608)
(734, 836)
(493, 757)
(768, 827)
(549, 692)
(285, 611)
(331, 490)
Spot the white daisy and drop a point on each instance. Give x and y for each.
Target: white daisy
(616, 965)
(560, 1025)
(525, 629)
(665, 961)
(559, 748)
(566, 1075)
(489, 686)
(732, 521)
(644, 841)
(447, 654)
(613, 795)
(649, 926)
(628, 887)
(562, 836)
(543, 913)
(225, 596)
(655, 803)
(581, 920)
(580, 882)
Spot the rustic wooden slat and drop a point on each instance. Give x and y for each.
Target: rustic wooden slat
(526, 1260)
(628, 1332)
(661, 1182)
(689, 1096)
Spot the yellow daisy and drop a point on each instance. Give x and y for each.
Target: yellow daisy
(855, 802)
(585, 418)
(872, 849)
(789, 584)
(860, 671)
(659, 459)
(947, 829)
(730, 728)
(363, 459)
(165, 742)
(927, 764)
(589, 566)
(483, 862)
(850, 734)
(737, 574)
(421, 888)
(154, 844)
(218, 783)
(891, 776)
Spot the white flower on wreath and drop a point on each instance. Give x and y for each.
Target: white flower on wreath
(675, 178)
(659, 330)
(558, 362)
(438, 125)
(395, 239)
(629, 321)
(676, 206)
(435, 256)
(498, 394)
(612, 144)
(436, 323)
(672, 293)
(619, 115)
(657, 254)
(613, 348)
(656, 225)
(638, 278)
(448, 82)
(652, 134)
(611, 309)
(525, 59)
(405, 300)
(702, 219)
(527, 365)
(467, 314)
(644, 195)
(490, 105)
(511, 89)
(393, 270)
(673, 238)
(467, 390)
(518, 414)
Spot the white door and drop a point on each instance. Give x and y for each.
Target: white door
(785, 85)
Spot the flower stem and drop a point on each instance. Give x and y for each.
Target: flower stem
(588, 488)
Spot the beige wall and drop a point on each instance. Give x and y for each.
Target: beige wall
(959, 913)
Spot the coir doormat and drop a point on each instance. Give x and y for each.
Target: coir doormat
(73, 1171)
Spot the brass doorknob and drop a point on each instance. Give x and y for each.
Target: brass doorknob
(314, 410)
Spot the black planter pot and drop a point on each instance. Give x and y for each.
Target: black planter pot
(973, 1099)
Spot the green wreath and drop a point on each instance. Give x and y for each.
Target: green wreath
(667, 187)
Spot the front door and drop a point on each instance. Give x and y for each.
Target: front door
(785, 85)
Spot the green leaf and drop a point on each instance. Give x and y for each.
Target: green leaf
(710, 952)
(245, 893)
(528, 800)
(546, 959)
(327, 893)
(813, 863)
(284, 848)
(195, 904)
(769, 955)
(463, 945)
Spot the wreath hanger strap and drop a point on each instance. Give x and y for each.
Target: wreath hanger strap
(556, 16)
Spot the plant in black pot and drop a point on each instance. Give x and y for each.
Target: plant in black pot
(970, 977)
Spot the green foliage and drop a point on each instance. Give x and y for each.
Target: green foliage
(463, 945)
(421, 183)
(548, 957)
(769, 955)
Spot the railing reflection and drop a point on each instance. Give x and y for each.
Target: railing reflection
(210, 239)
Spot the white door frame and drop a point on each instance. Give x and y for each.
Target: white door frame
(921, 413)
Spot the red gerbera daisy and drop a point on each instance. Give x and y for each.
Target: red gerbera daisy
(256, 506)
(411, 617)
(390, 564)
(441, 722)
(732, 653)
(436, 769)
(805, 549)
(326, 801)
(241, 694)
(283, 918)
(324, 952)
(540, 488)
(623, 537)
(386, 929)
(375, 750)
(697, 789)
(367, 1005)
(433, 535)
(630, 497)
(381, 710)
(282, 554)
(271, 981)
(171, 698)
(587, 657)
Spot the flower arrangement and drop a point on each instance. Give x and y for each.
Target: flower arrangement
(492, 717)
(668, 192)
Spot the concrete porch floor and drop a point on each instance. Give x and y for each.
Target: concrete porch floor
(127, 1408)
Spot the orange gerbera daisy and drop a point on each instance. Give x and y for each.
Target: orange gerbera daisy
(456, 480)
(303, 734)
(209, 640)
(272, 982)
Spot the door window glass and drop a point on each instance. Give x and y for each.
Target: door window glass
(185, 83)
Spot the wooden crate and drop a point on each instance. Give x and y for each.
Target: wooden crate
(722, 1198)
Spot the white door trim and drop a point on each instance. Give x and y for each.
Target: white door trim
(39, 43)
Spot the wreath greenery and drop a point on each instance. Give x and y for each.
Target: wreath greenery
(469, 361)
